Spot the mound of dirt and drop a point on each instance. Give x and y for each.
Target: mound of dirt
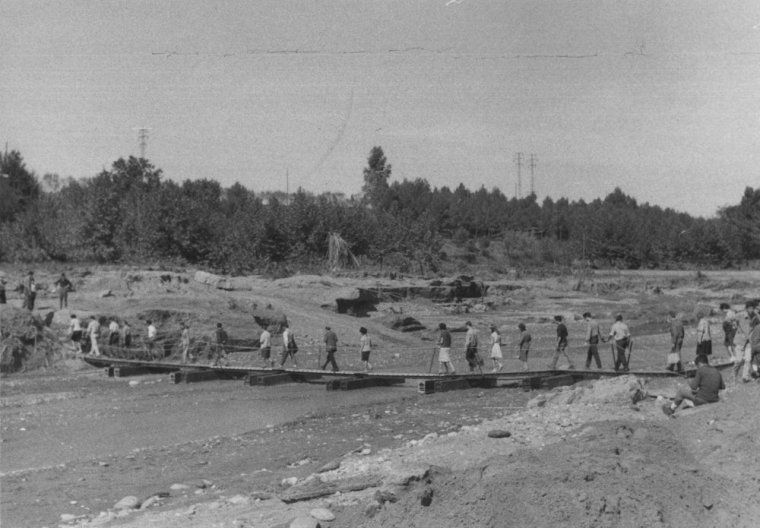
(26, 343)
(402, 323)
(611, 474)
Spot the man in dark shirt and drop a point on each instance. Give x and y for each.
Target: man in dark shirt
(64, 287)
(702, 389)
(561, 344)
(331, 346)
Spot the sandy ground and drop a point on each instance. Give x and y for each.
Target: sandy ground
(214, 454)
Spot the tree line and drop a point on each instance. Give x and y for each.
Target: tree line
(130, 213)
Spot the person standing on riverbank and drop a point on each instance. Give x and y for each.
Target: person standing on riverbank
(523, 347)
(64, 286)
(495, 344)
(621, 337)
(593, 335)
(444, 350)
(677, 333)
(113, 333)
(751, 347)
(126, 334)
(365, 348)
(704, 337)
(30, 291)
(331, 347)
(730, 327)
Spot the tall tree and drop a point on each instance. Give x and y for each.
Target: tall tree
(376, 176)
(18, 185)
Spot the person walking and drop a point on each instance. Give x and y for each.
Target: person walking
(75, 333)
(152, 334)
(561, 348)
(523, 347)
(730, 327)
(677, 334)
(184, 342)
(593, 336)
(365, 348)
(265, 348)
(471, 348)
(702, 389)
(113, 333)
(704, 337)
(621, 337)
(289, 347)
(220, 352)
(444, 350)
(93, 331)
(64, 286)
(331, 347)
(126, 334)
(495, 344)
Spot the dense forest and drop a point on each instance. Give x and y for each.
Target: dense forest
(130, 213)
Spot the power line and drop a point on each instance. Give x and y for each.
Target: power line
(532, 163)
(142, 139)
(518, 187)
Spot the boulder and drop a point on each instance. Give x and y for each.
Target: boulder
(356, 301)
(127, 503)
(322, 514)
(270, 318)
(217, 281)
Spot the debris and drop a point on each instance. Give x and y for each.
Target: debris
(322, 514)
(499, 433)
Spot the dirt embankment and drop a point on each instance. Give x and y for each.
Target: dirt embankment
(582, 456)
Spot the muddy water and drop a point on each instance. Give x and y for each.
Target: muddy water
(95, 417)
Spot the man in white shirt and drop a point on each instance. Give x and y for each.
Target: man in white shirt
(151, 337)
(93, 329)
(265, 348)
(113, 333)
(75, 332)
(621, 336)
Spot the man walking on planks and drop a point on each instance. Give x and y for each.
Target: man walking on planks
(471, 348)
(593, 335)
(331, 347)
(265, 348)
(702, 389)
(289, 347)
(561, 348)
(444, 350)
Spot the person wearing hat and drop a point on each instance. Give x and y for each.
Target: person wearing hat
(444, 350)
(495, 344)
(331, 347)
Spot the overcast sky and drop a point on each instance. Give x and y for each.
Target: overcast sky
(660, 98)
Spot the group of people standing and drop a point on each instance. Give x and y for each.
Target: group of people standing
(29, 289)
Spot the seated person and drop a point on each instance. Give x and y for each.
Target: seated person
(702, 389)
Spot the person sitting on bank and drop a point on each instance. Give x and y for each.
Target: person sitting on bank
(702, 389)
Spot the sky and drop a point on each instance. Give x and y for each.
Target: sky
(660, 98)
